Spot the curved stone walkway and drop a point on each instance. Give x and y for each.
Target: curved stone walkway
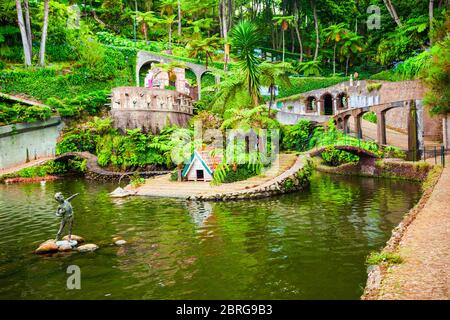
(162, 186)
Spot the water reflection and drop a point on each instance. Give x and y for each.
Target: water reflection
(298, 246)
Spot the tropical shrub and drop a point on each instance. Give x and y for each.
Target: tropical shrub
(335, 157)
(17, 112)
(297, 137)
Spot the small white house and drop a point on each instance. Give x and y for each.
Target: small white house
(201, 166)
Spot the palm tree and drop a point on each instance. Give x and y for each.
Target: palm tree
(284, 22)
(309, 68)
(148, 20)
(168, 21)
(245, 40)
(273, 73)
(168, 6)
(335, 33)
(257, 117)
(351, 45)
(204, 47)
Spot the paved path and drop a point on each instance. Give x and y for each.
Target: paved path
(393, 138)
(161, 186)
(25, 165)
(425, 249)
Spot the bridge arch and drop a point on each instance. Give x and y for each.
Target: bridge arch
(145, 57)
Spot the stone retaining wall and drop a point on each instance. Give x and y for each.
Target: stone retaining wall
(294, 179)
(386, 168)
(22, 142)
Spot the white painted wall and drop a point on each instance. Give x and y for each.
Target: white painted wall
(192, 173)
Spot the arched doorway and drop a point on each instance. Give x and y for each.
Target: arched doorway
(143, 70)
(342, 101)
(327, 103)
(311, 104)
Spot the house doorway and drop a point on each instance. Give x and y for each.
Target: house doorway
(200, 175)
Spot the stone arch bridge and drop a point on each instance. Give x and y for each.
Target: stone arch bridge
(362, 153)
(414, 119)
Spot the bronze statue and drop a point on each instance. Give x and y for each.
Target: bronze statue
(65, 211)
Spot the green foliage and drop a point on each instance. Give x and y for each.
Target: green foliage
(121, 152)
(17, 112)
(297, 137)
(370, 116)
(393, 152)
(309, 68)
(335, 157)
(374, 86)
(242, 172)
(53, 168)
(376, 258)
(136, 180)
(91, 102)
(437, 78)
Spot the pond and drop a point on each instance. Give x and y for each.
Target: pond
(306, 245)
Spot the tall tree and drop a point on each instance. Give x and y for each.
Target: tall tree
(431, 14)
(23, 34)
(44, 35)
(26, 10)
(245, 40)
(273, 73)
(284, 22)
(392, 12)
(335, 33)
(179, 17)
(316, 26)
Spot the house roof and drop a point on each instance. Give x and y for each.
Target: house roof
(209, 161)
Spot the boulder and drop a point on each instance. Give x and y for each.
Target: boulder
(65, 243)
(48, 246)
(87, 247)
(120, 242)
(74, 237)
(65, 247)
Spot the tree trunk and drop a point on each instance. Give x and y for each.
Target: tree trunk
(44, 35)
(179, 166)
(283, 41)
(316, 25)
(392, 12)
(334, 58)
(23, 34)
(26, 9)
(346, 65)
(431, 13)
(179, 18)
(170, 36)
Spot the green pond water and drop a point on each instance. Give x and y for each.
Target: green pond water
(306, 245)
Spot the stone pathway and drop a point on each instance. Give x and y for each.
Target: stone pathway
(25, 165)
(393, 138)
(425, 249)
(161, 186)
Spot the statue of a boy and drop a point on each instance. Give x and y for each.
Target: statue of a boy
(65, 211)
